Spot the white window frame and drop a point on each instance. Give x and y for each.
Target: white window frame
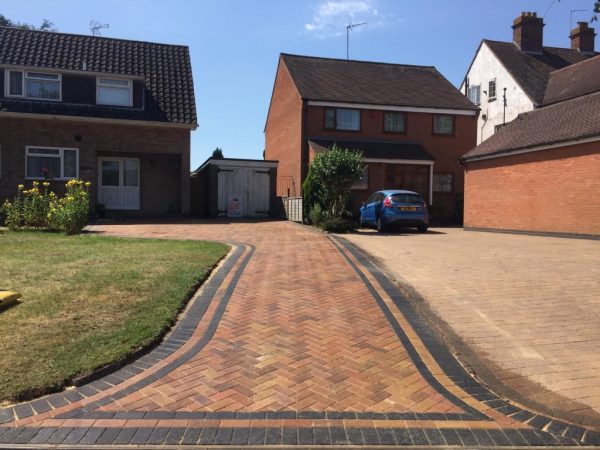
(25, 77)
(490, 97)
(129, 87)
(473, 87)
(7, 83)
(59, 156)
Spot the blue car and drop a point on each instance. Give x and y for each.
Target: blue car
(385, 209)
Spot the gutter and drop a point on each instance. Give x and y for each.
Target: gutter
(530, 149)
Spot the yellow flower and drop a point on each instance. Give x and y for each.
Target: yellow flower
(88, 183)
(45, 184)
(20, 187)
(35, 183)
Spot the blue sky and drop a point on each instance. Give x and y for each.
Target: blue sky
(235, 44)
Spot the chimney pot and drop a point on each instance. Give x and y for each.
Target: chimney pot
(582, 38)
(528, 32)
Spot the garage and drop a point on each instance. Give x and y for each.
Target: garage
(229, 187)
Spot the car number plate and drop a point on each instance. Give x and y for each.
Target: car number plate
(407, 208)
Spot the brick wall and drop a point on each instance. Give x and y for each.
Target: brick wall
(445, 149)
(554, 190)
(283, 133)
(163, 152)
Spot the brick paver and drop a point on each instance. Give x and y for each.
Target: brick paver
(296, 339)
(528, 308)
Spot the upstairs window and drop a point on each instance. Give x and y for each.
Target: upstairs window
(443, 124)
(36, 85)
(114, 92)
(342, 119)
(394, 122)
(474, 94)
(15, 83)
(492, 90)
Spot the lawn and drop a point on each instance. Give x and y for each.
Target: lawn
(87, 301)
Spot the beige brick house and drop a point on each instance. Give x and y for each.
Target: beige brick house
(114, 112)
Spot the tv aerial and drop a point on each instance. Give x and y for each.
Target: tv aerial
(349, 28)
(96, 26)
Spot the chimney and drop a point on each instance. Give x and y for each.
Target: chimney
(582, 38)
(528, 32)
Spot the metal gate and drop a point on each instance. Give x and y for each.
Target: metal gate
(246, 189)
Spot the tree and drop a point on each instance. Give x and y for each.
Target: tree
(217, 153)
(46, 24)
(330, 178)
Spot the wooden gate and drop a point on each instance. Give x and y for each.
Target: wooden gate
(245, 188)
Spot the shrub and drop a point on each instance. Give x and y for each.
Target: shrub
(42, 209)
(337, 224)
(330, 178)
(70, 213)
(316, 215)
(29, 208)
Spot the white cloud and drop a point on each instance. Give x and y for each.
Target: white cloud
(332, 16)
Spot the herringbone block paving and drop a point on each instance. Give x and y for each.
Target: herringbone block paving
(296, 339)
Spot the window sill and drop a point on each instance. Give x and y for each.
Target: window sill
(493, 99)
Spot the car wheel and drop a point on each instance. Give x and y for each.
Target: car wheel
(423, 229)
(380, 225)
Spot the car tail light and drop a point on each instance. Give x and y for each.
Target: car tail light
(387, 203)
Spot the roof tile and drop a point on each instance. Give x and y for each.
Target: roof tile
(349, 81)
(166, 70)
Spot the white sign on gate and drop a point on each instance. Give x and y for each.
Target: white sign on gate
(234, 208)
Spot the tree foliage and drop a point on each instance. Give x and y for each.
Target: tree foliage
(330, 178)
(46, 24)
(217, 153)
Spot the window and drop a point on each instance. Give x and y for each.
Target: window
(492, 90)
(363, 183)
(15, 83)
(36, 85)
(45, 86)
(394, 122)
(474, 94)
(342, 119)
(51, 162)
(443, 124)
(498, 127)
(114, 92)
(442, 182)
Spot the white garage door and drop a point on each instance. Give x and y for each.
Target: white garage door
(244, 189)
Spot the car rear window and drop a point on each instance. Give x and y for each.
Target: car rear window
(406, 198)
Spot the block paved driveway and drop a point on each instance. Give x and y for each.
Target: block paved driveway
(295, 339)
(526, 308)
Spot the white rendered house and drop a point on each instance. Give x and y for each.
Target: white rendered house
(506, 79)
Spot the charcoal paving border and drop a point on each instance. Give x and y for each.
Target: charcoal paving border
(549, 432)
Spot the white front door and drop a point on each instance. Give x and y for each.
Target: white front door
(119, 183)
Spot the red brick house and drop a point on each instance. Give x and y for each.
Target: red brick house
(410, 123)
(117, 113)
(541, 172)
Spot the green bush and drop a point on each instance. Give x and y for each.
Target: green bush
(330, 178)
(336, 224)
(70, 213)
(316, 214)
(29, 208)
(42, 209)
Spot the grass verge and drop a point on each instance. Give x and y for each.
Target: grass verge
(88, 301)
